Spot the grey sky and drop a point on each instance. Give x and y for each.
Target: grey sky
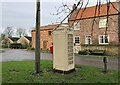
(19, 14)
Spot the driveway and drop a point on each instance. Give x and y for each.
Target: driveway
(21, 55)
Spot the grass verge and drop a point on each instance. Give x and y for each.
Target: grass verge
(98, 56)
(48, 51)
(1, 51)
(21, 72)
(43, 51)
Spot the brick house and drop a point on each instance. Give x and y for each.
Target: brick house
(83, 30)
(46, 38)
(85, 38)
(7, 40)
(25, 40)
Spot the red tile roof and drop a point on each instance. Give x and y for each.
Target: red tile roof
(90, 11)
(48, 27)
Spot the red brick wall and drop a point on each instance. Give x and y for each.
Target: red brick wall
(44, 37)
(33, 39)
(86, 27)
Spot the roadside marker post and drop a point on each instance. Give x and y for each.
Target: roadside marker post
(105, 60)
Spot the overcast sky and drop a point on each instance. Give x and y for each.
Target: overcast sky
(21, 13)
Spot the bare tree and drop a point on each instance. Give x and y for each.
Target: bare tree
(62, 10)
(21, 32)
(2, 37)
(24, 32)
(8, 31)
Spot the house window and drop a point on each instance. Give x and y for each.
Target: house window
(88, 40)
(49, 32)
(76, 26)
(103, 23)
(77, 40)
(103, 39)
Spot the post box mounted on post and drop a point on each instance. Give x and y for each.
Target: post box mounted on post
(63, 54)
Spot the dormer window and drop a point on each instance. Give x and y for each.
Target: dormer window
(103, 23)
(76, 26)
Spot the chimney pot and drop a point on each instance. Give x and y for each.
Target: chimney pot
(74, 5)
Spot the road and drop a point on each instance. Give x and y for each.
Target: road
(21, 55)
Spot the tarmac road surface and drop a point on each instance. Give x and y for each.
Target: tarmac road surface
(21, 55)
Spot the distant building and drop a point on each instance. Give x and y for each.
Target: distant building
(7, 40)
(46, 38)
(25, 40)
(22, 40)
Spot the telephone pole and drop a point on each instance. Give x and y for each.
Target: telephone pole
(37, 42)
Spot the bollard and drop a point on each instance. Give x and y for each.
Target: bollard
(105, 64)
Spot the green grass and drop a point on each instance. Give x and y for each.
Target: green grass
(48, 51)
(85, 74)
(1, 51)
(98, 56)
(43, 51)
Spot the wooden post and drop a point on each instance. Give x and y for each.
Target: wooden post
(105, 64)
(37, 42)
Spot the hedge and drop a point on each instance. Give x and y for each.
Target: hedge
(16, 45)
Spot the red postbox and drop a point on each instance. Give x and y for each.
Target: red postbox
(51, 49)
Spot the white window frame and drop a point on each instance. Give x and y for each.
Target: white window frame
(76, 26)
(86, 40)
(79, 40)
(104, 39)
(103, 21)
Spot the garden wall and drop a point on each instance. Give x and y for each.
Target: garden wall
(110, 49)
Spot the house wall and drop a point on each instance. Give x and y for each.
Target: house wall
(33, 38)
(44, 37)
(86, 30)
(22, 40)
(86, 27)
(7, 40)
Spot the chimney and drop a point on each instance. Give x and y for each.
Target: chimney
(74, 5)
